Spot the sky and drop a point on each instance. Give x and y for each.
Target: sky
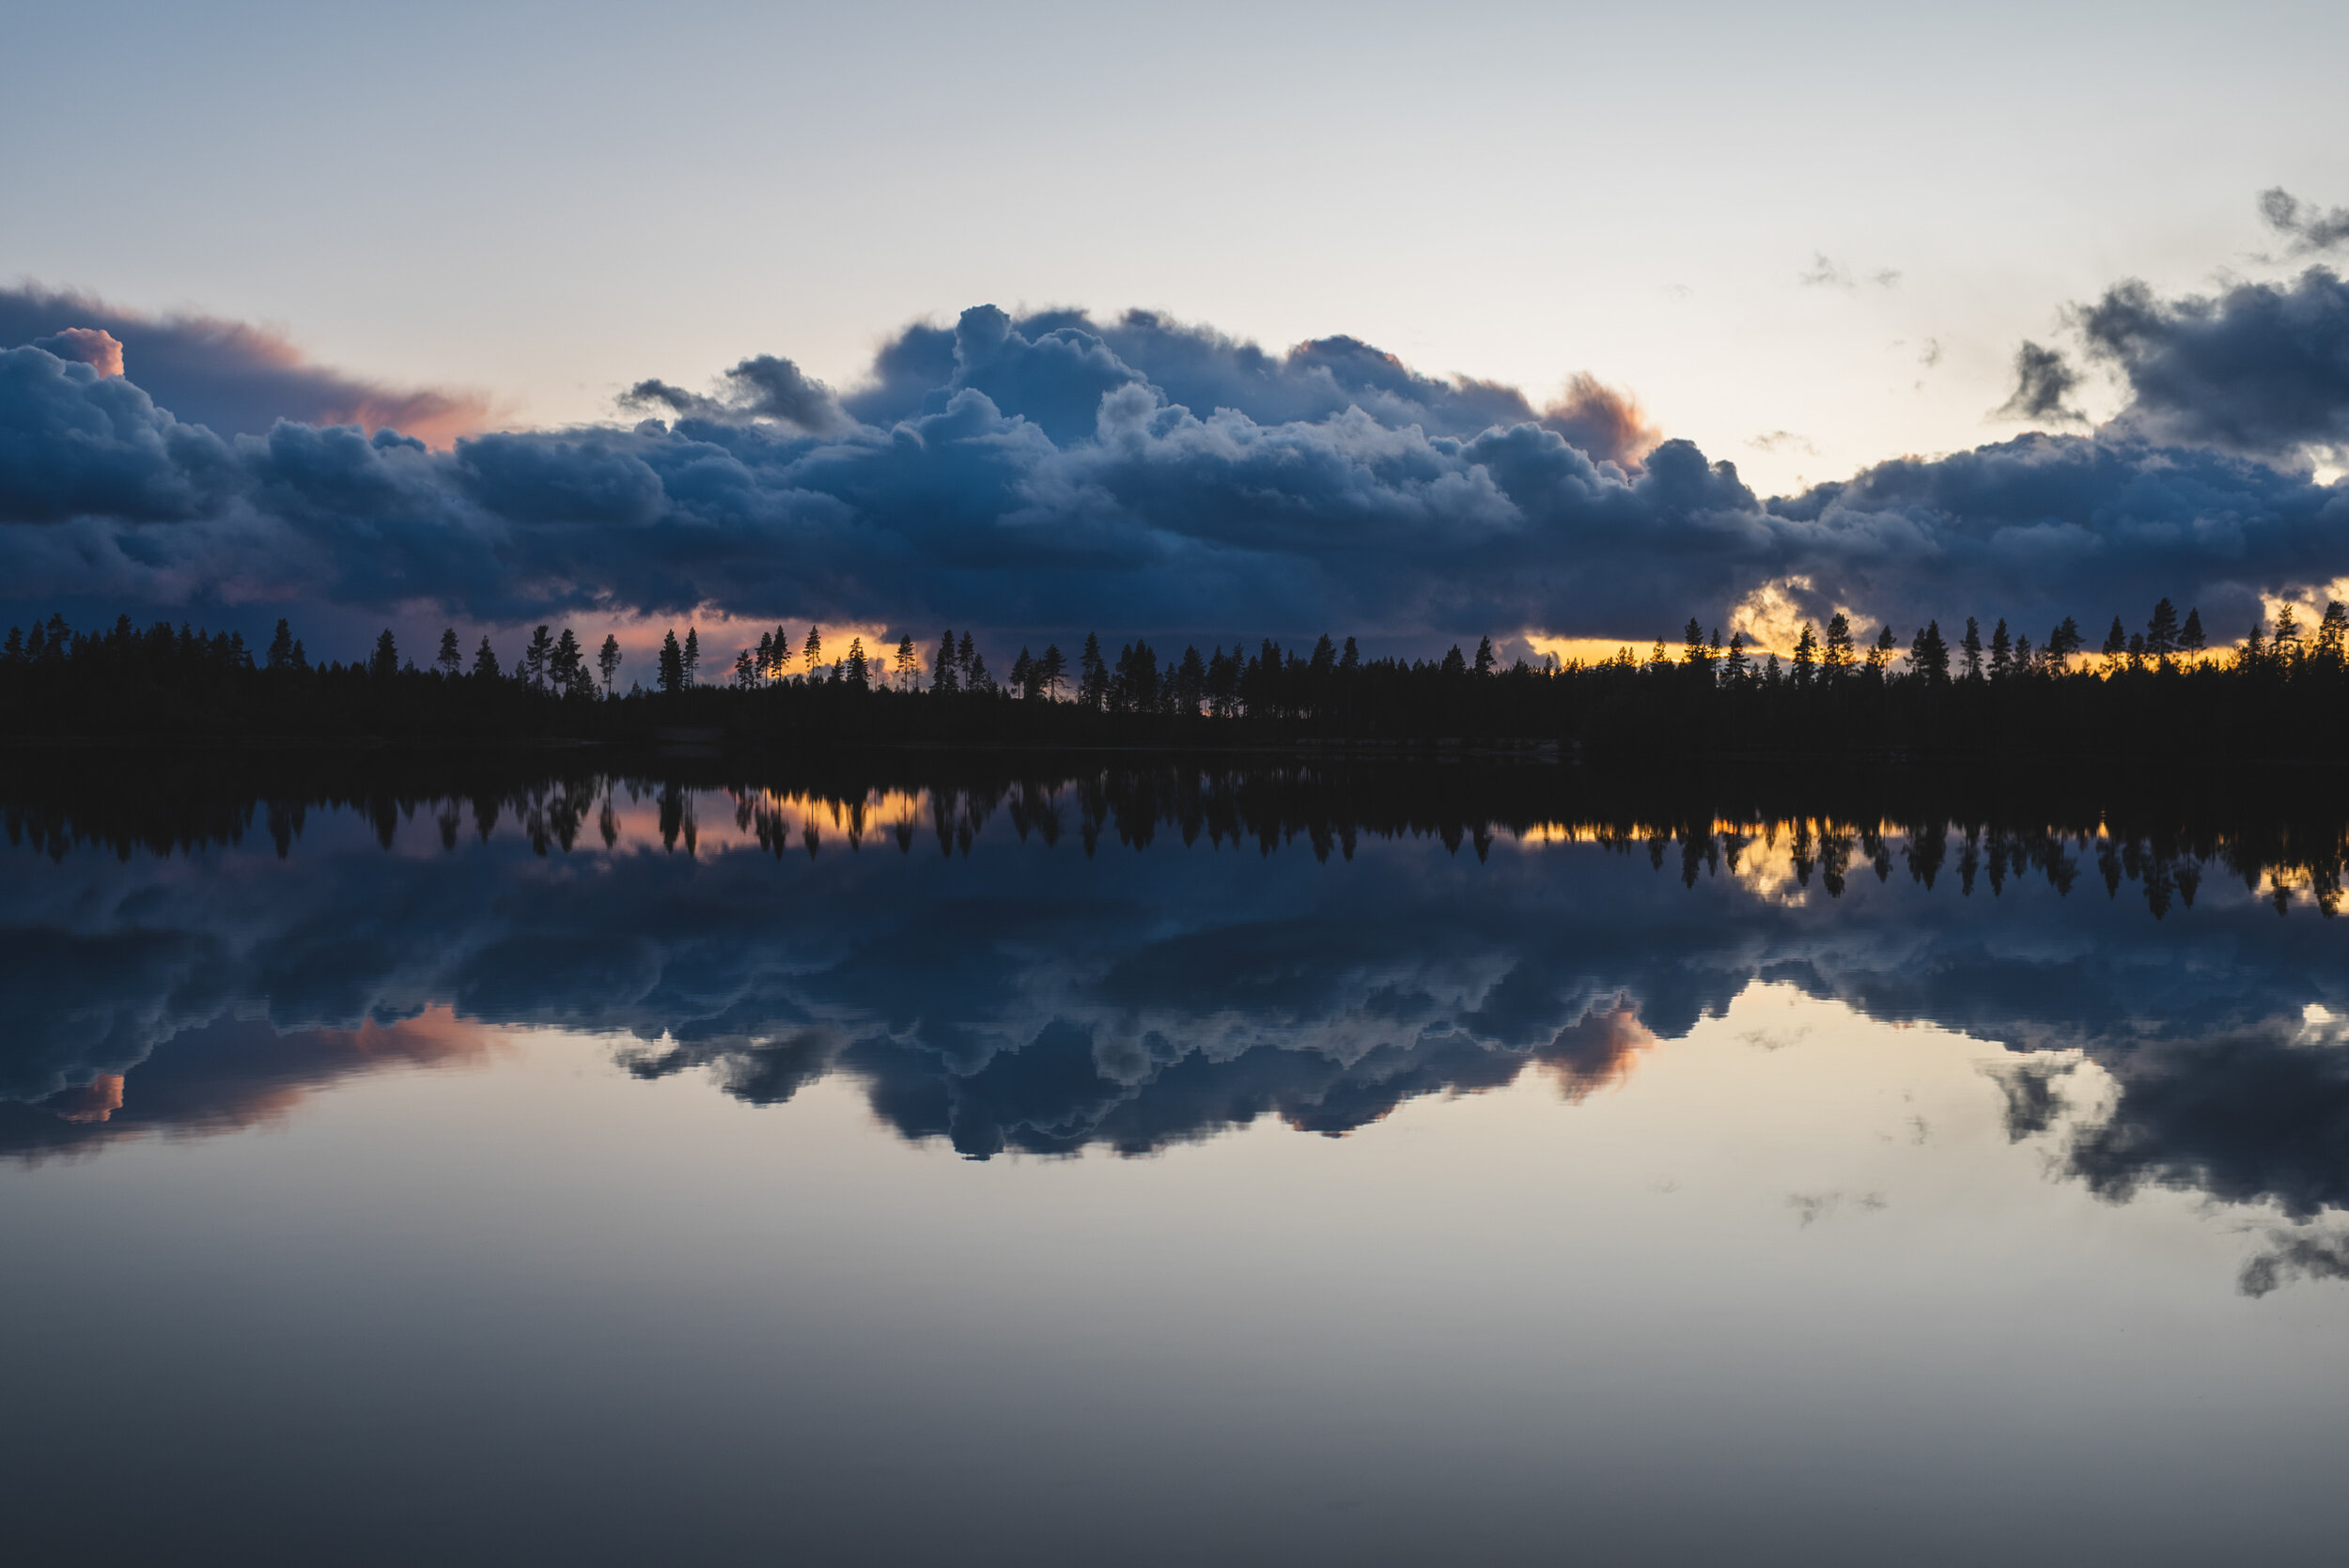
(1806, 240)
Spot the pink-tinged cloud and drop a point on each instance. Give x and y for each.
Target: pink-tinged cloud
(232, 376)
(1604, 421)
(90, 346)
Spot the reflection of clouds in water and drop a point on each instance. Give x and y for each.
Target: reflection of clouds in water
(230, 1075)
(1014, 990)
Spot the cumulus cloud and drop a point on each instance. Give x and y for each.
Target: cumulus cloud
(761, 387)
(234, 377)
(1049, 473)
(2262, 368)
(88, 346)
(2309, 228)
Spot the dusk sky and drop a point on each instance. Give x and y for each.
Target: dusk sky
(1806, 240)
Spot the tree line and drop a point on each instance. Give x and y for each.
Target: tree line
(2280, 693)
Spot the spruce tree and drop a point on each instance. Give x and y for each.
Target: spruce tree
(854, 670)
(1092, 676)
(2190, 636)
(563, 665)
(2001, 652)
(535, 655)
(1051, 669)
(485, 661)
(1806, 656)
(608, 660)
(692, 654)
(2161, 632)
(672, 667)
(384, 663)
(1972, 645)
(1837, 661)
(280, 655)
(943, 667)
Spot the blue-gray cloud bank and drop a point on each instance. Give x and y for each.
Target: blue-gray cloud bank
(1059, 472)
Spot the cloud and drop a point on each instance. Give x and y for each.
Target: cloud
(761, 387)
(2309, 228)
(2262, 368)
(1038, 1003)
(233, 377)
(1050, 473)
(2043, 380)
(2289, 1257)
(1604, 421)
(88, 346)
(1825, 272)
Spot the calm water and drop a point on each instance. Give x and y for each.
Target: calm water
(1076, 1165)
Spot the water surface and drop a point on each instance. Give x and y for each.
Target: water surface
(1159, 1162)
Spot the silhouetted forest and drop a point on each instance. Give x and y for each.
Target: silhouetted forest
(2163, 833)
(2156, 694)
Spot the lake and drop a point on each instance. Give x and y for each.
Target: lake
(1162, 1160)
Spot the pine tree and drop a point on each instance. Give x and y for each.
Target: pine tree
(1837, 661)
(2062, 642)
(1051, 669)
(1806, 656)
(1880, 654)
(608, 660)
(1023, 682)
(485, 661)
(563, 665)
(1734, 670)
(812, 651)
(745, 669)
(1929, 655)
(967, 656)
(1484, 660)
(908, 663)
(942, 678)
(449, 658)
(2330, 634)
(1972, 645)
(2001, 652)
(1092, 676)
(763, 660)
(1190, 683)
(692, 653)
(2161, 632)
(534, 657)
(2116, 646)
(2284, 646)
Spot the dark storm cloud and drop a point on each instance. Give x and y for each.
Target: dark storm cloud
(231, 375)
(761, 387)
(1057, 474)
(2307, 227)
(2261, 369)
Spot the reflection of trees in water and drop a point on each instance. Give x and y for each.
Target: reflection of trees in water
(1031, 1002)
(2288, 838)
